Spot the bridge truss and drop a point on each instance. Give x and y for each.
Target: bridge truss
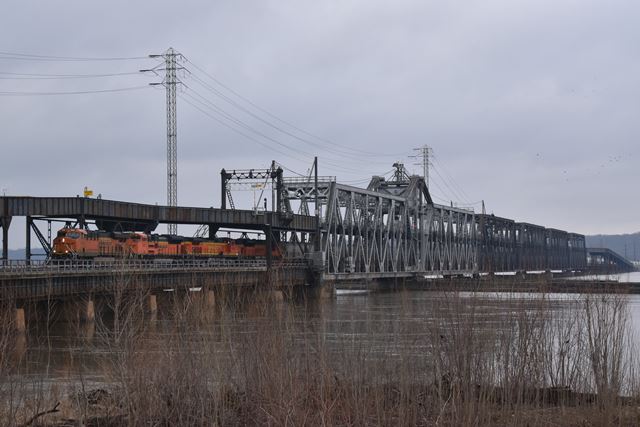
(386, 229)
(394, 228)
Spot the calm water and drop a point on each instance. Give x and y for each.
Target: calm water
(385, 325)
(622, 278)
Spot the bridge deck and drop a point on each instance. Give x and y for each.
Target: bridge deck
(32, 280)
(607, 261)
(102, 209)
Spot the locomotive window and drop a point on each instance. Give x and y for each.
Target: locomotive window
(73, 235)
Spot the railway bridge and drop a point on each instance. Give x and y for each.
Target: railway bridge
(393, 229)
(327, 231)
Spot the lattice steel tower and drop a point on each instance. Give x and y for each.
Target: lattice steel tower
(170, 82)
(424, 153)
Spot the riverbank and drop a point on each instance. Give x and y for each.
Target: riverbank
(406, 358)
(548, 406)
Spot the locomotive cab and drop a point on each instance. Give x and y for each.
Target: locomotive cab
(67, 242)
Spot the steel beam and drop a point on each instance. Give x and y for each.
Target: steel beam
(27, 249)
(83, 209)
(5, 222)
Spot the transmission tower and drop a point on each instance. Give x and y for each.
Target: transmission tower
(170, 82)
(424, 153)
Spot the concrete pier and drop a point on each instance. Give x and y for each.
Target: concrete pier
(152, 304)
(277, 295)
(20, 323)
(210, 298)
(87, 311)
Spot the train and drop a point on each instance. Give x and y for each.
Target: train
(88, 244)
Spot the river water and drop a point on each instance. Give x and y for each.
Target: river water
(633, 277)
(379, 327)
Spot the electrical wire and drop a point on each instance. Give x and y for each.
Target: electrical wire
(238, 122)
(434, 182)
(275, 117)
(26, 76)
(456, 196)
(241, 108)
(78, 92)
(234, 129)
(32, 57)
(290, 170)
(266, 122)
(219, 111)
(453, 181)
(328, 164)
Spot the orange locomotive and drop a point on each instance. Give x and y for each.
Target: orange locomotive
(80, 243)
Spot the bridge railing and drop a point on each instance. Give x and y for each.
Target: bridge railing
(71, 266)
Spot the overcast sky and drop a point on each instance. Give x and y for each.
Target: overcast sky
(532, 106)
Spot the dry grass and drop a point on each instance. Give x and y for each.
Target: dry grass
(470, 361)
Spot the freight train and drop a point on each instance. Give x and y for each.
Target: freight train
(81, 243)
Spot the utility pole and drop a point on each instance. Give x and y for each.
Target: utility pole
(170, 82)
(425, 152)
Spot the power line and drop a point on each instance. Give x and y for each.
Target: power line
(234, 129)
(292, 171)
(77, 92)
(266, 122)
(453, 192)
(207, 110)
(453, 181)
(32, 57)
(213, 107)
(275, 117)
(245, 135)
(27, 76)
(221, 112)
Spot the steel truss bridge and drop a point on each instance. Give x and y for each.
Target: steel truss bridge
(393, 229)
(606, 261)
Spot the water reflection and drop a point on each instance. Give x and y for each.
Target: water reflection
(379, 327)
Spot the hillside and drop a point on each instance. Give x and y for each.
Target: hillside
(627, 245)
(19, 253)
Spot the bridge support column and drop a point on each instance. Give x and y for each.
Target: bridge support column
(152, 304)
(209, 298)
(326, 291)
(277, 295)
(269, 243)
(87, 311)
(20, 322)
(5, 222)
(320, 289)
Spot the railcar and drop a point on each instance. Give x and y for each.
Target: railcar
(81, 243)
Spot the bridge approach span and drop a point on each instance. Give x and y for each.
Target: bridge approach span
(127, 216)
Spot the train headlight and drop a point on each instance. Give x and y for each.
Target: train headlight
(63, 240)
